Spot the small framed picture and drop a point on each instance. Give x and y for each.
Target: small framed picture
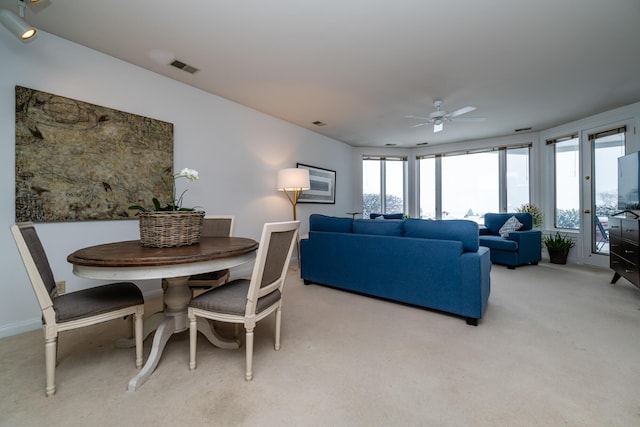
(323, 185)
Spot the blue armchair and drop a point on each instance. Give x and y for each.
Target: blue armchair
(513, 248)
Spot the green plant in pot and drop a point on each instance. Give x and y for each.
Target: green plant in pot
(558, 246)
(535, 212)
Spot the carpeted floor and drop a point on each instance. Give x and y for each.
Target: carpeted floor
(558, 346)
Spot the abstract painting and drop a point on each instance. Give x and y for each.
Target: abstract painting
(77, 161)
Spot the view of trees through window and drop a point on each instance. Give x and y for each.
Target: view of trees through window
(383, 181)
(567, 182)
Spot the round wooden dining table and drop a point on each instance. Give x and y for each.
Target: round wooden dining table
(130, 261)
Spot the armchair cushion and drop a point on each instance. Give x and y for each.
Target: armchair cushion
(499, 243)
(512, 224)
(493, 221)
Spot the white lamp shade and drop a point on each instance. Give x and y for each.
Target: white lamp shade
(16, 25)
(293, 179)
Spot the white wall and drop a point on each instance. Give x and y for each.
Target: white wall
(237, 151)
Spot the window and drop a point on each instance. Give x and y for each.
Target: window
(517, 178)
(383, 184)
(470, 184)
(427, 178)
(567, 181)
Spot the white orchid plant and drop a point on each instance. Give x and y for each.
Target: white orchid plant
(175, 204)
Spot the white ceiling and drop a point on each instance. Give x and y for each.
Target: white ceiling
(361, 66)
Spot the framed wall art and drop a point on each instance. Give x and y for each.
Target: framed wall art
(77, 161)
(323, 185)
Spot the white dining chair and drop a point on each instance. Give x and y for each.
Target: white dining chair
(213, 226)
(75, 309)
(246, 301)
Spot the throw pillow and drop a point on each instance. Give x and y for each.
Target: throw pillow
(512, 224)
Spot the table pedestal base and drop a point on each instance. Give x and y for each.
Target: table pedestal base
(169, 322)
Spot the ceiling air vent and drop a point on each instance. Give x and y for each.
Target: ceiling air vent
(184, 67)
(419, 144)
(319, 123)
(522, 130)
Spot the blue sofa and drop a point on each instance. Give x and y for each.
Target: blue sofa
(432, 264)
(520, 247)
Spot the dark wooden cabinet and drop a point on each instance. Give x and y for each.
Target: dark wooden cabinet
(624, 247)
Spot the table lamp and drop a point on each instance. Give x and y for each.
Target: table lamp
(293, 181)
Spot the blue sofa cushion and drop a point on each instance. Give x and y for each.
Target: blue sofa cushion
(391, 227)
(494, 221)
(462, 230)
(334, 224)
(498, 243)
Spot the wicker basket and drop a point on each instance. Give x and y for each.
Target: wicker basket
(167, 229)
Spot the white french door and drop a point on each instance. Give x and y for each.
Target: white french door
(600, 151)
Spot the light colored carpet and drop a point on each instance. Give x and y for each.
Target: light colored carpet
(558, 346)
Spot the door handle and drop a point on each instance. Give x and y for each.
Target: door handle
(587, 211)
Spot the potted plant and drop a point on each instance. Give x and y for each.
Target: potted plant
(558, 246)
(535, 213)
(170, 225)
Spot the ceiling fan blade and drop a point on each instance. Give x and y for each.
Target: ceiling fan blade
(416, 117)
(419, 124)
(437, 127)
(469, 119)
(461, 111)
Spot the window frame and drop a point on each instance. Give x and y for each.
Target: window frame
(502, 173)
(383, 159)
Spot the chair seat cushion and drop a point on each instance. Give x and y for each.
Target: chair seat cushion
(498, 243)
(231, 298)
(98, 300)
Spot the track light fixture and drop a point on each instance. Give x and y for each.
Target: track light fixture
(16, 24)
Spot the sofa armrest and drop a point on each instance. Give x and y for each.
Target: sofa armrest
(529, 244)
(475, 268)
(532, 237)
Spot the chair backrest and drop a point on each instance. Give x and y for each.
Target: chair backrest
(37, 266)
(494, 221)
(272, 261)
(218, 225)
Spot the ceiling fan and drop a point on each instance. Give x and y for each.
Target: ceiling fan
(440, 116)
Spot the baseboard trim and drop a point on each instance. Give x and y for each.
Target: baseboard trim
(17, 328)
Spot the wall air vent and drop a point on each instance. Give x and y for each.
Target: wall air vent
(184, 67)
